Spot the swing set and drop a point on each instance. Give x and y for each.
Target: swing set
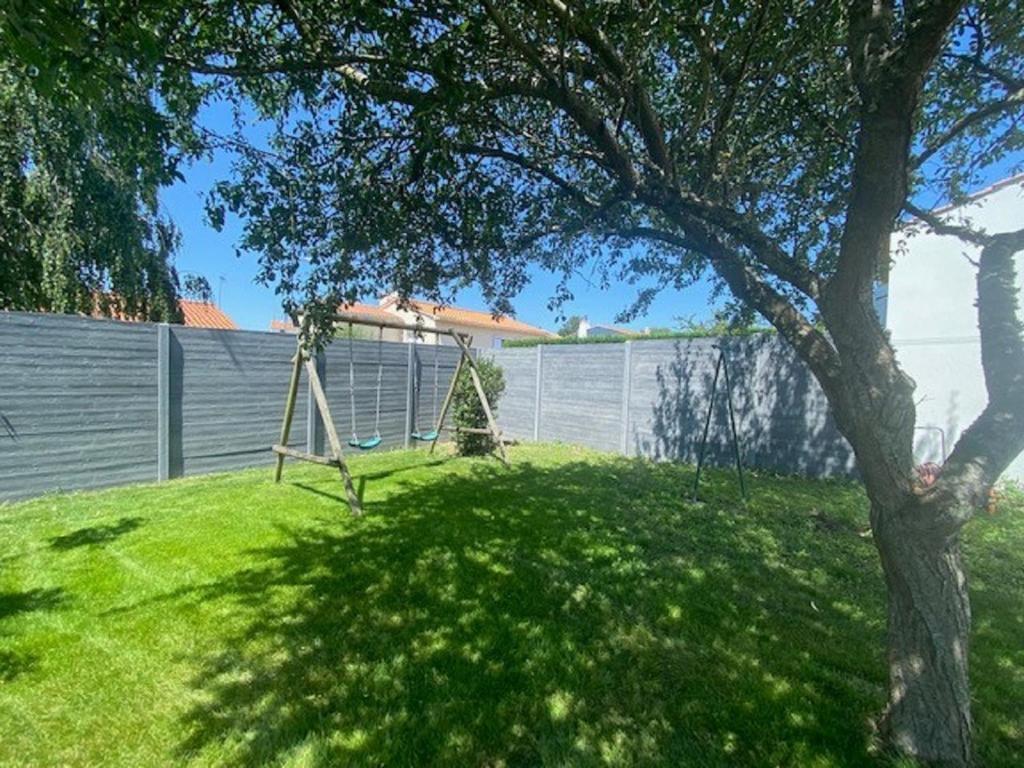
(303, 359)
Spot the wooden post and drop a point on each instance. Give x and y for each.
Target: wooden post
(492, 424)
(449, 395)
(289, 409)
(314, 432)
(332, 437)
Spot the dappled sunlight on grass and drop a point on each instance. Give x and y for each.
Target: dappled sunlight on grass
(574, 609)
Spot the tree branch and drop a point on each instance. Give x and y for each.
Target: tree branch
(940, 227)
(647, 120)
(1008, 81)
(996, 437)
(811, 344)
(528, 165)
(1013, 101)
(593, 124)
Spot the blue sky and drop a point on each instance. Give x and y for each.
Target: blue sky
(212, 254)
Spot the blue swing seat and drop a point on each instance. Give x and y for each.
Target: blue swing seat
(365, 445)
(427, 437)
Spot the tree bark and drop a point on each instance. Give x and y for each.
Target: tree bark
(928, 716)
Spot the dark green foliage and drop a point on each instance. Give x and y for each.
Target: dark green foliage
(196, 287)
(467, 410)
(570, 326)
(574, 610)
(79, 227)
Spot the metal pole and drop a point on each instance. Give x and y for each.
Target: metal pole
(732, 424)
(707, 426)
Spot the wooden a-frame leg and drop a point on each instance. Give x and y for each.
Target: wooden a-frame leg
(492, 424)
(289, 411)
(449, 395)
(332, 436)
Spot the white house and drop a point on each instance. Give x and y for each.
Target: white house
(586, 330)
(930, 313)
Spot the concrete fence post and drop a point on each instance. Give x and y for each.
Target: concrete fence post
(627, 390)
(410, 394)
(538, 386)
(314, 426)
(163, 402)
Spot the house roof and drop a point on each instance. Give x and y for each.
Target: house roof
(201, 314)
(616, 329)
(368, 311)
(470, 317)
(283, 326)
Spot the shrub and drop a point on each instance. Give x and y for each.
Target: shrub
(467, 410)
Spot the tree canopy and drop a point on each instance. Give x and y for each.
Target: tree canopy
(84, 151)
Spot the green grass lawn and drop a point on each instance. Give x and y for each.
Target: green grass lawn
(573, 610)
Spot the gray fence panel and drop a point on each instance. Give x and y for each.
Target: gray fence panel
(517, 405)
(88, 403)
(785, 420)
(588, 397)
(227, 399)
(581, 395)
(77, 403)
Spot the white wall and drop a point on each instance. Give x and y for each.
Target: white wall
(933, 320)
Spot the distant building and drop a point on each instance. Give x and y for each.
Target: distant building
(585, 330)
(194, 314)
(486, 330)
(928, 306)
(204, 314)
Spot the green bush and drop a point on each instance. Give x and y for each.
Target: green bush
(467, 410)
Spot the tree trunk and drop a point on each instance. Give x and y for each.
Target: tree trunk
(928, 716)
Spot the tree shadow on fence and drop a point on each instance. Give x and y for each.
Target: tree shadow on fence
(782, 416)
(574, 614)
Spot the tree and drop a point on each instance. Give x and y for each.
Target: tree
(571, 326)
(84, 151)
(79, 230)
(196, 287)
(468, 410)
(417, 146)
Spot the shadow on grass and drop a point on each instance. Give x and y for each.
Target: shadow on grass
(13, 604)
(578, 614)
(97, 534)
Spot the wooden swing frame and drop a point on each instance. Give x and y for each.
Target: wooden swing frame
(303, 359)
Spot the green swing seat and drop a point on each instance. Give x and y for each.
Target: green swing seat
(365, 445)
(428, 437)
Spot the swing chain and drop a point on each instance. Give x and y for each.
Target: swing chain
(380, 377)
(352, 380)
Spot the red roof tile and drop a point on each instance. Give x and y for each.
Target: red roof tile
(200, 314)
(473, 318)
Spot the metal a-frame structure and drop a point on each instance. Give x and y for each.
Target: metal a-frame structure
(303, 359)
